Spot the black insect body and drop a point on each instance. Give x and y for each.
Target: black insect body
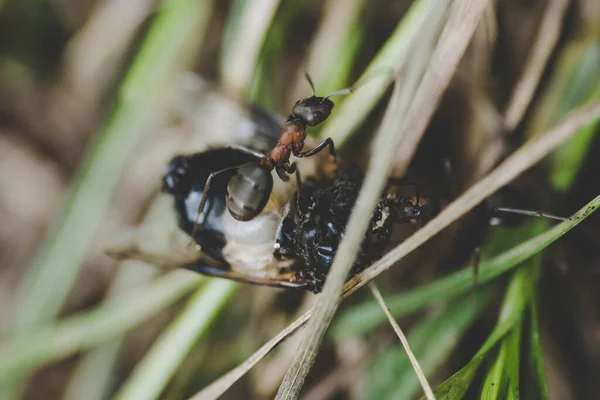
(312, 234)
(185, 180)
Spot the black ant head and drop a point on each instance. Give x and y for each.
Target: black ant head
(312, 110)
(176, 180)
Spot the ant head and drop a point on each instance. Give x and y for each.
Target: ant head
(312, 110)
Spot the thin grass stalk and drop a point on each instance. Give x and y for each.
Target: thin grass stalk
(413, 360)
(545, 42)
(434, 340)
(462, 21)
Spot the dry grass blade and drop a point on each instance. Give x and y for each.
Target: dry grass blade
(458, 30)
(523, 159)
(545, 42)
(217, 388)
(385, 147)
(404, 340)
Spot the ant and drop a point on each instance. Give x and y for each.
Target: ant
(249, 189)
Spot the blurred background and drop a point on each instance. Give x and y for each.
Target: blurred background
(96, 96)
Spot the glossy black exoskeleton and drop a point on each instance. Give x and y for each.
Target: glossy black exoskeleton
(311, 234)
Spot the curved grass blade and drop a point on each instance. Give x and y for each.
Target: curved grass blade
(413, 360)
(535, 383)
(513, 306)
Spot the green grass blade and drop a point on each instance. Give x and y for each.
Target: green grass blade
(457, 385)
(95, 374)
(534, 377)
(496, 383)
(515, 301)
(364, 318)
(502, 381)
(168, 48)
(160, 363)
(576, 81)
(94, 377)
(20, 355)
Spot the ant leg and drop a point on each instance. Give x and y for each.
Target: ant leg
(205, 196)
(316, 149)
(282, 172)
(530, 213)
(293, 168)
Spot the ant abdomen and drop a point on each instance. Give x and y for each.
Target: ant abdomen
(249, 190)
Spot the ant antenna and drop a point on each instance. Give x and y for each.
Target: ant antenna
(340, 92)
(310, 82)
(530, 213)
(348, 90)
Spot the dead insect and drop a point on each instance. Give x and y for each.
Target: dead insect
(311, 231)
